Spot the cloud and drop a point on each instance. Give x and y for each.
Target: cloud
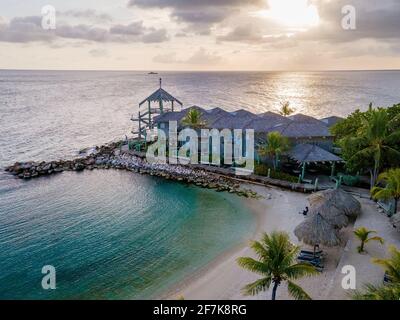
(245, 33)
(155, 36)
(24, 29)
(200, 57)
(199, 15)
(377, 20)
(88, 14)
(29, 29)
(98, 53)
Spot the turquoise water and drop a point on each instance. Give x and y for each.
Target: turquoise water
(111, 234)
(114, 234)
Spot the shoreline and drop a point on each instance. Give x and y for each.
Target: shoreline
(254, 207)
(222, 278)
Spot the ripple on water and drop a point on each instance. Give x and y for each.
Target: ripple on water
(111, 234)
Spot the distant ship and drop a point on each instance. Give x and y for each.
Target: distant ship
(152, 72)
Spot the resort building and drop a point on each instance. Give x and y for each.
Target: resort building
(311, 142)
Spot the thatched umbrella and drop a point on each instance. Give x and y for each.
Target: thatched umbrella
(396, 221)
(331, 213)
(317, 230)
(343, 201)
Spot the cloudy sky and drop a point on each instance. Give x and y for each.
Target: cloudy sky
(200, 35)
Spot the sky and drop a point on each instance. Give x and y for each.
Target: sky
(202, 35)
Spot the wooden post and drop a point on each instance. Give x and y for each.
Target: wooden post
(303, 171)
(269, 172)
(150, 125)
(316, 185)
(140, 125)
(333, 169)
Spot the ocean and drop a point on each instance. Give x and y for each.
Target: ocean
(119, 235)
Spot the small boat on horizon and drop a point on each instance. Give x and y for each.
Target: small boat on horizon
(152, 72)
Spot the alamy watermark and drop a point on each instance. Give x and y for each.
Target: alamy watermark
(48, 17)
(204, 146)
(49, 280)
(349, 20)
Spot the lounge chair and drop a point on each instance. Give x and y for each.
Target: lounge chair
(308, 256)
(315, 263)
(318, 253)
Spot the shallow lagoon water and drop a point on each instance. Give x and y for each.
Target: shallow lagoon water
(111, 234)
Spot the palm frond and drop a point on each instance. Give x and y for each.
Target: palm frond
(253, 265)
(256, 287)
(300, 270)
(297, 292)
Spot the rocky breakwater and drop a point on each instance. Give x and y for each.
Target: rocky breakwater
(107, 157)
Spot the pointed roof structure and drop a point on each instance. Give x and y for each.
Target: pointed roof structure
(306, 153)
(160, 95)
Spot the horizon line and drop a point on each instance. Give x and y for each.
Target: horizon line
(200, 71)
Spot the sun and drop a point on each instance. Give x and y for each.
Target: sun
(298, 14)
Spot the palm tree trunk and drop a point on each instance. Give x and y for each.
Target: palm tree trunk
(276, 284)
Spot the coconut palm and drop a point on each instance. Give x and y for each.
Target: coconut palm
(391, 265)
(391, 179)
(286, 110)
(377, 139)
(193, 119)
(276, 264)
(382, 292)
(362, 234)
(275, 145)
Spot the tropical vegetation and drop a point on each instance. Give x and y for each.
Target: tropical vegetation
(370, 141)
(276, 264)
(275, 145)
(286, 110)
(389, 291)
(391, 265)
(391, 190)
(193, 119)
(363, 234)
(381, 292)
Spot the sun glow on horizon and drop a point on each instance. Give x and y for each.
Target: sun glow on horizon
(292, 13)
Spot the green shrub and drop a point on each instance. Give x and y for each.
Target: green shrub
(262, 170)
(350, 180)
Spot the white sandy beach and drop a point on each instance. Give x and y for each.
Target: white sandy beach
(223, 278)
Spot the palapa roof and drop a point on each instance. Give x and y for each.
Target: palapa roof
(161, 95)
(331, 212)
(306, 153)
(342, 200)
(317, 230)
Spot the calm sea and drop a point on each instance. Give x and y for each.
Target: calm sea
(118, 235)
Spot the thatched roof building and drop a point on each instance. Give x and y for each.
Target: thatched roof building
(317, 230)
(338, 198)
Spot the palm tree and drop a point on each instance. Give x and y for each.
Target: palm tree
(276, 264)
(391, 179)
(286, 110)
(275, 145)
(193, 119)
(391, 265)
(377, 138)
(382, 292)
(362, 234)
